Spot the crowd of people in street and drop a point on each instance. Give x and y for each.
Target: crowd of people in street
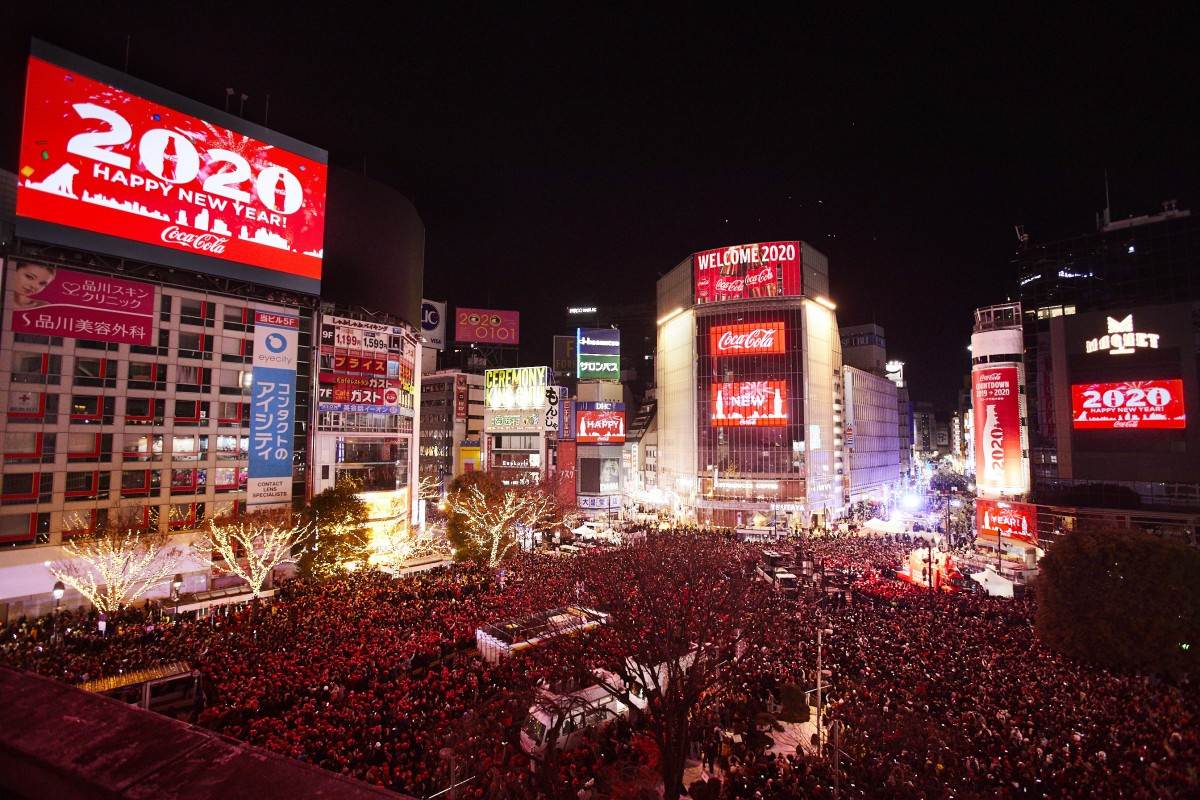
(936, 695)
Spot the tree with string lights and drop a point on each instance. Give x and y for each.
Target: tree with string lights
(117, 564)
(255, 545)
(485, 526)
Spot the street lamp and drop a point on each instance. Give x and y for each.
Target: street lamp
(176, 584)
(820, 676)
(59, 591)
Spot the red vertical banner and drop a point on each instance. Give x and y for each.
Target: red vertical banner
(460, 397)
(566, 473)
(997, 404)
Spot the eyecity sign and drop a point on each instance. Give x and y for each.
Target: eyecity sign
(110, 163)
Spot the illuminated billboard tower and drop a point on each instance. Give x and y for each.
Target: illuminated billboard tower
(749, 389)
(998, 403)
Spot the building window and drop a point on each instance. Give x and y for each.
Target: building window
(32, 367)
(97, 372)
(93, 410)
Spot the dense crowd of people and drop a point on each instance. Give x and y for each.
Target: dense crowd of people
(936, 695)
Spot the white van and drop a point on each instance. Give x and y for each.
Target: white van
(564, 718)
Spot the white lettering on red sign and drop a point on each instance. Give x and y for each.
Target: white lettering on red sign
(755, 339)
(205, 242)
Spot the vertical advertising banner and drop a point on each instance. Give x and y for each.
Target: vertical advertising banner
(272, 410)
(58, 302)
(469, 456)
(566, 474)
(433, 323)
(996, 402)
(461, 397)
(1010, 520)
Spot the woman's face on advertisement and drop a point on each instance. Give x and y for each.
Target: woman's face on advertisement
(29, 279)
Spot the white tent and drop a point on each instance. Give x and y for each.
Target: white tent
(876, 525)
(995, 585)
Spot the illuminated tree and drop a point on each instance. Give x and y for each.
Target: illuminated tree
(400, 542)
(338, 518)
(116, 565)
(485, 524)
(680, 605)
(255, 545)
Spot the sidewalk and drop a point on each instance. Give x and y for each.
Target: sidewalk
(795, 736)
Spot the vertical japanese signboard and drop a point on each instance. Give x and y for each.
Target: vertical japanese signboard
(273, 410)
(997, 406)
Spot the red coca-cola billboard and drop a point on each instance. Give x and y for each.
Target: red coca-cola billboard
(747, 339)
(749, 403)
(1009, 520)
(593, 426)
(763, 269)
(1128, 404)
(997, 405)
(102, 159)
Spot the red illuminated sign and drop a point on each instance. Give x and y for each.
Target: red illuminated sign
(997, 406)
(733, 340)
(751, 403)
(765, 269)
(482, 325)
(58, 302)
(1010, 520)
(600, 426)
(1128, 404)
(100, 159)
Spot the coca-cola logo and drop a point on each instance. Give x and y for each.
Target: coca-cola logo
(205, 242)
(731, 285)
(760, 277)
(756, 339)
(702, 283)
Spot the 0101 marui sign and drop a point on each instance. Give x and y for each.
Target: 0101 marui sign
(763, 269)
(58, 302)
(487, 327)
(996, 519)
(102, 159)
(997, 407)
(750, 403)
(1128, 404)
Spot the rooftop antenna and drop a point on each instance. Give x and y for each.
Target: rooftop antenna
(242, 107)
(228, 94)
(128, 39)
(267, 111)
(1107, 204)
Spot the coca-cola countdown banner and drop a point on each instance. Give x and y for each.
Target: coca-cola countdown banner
(1010, 520)
(764, 269)
(98, 158)
(747, 339)
(599, 422)
(58, 302)
(750, 403)
(1128, 404)
(997, 405)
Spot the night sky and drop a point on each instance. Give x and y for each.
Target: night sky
(562, 158)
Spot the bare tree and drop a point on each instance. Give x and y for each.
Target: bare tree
(116, 565)
(400, 541)
(253, 546)
(681, 606)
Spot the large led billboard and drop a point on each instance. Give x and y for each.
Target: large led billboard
(747, 339)
(598, 354)
(116, 165)
(997, 407)
(749, 403)
(486, 326)
(1128, 404)
(994, 519)
(763, 269)
(516, 387)
(599, 422)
